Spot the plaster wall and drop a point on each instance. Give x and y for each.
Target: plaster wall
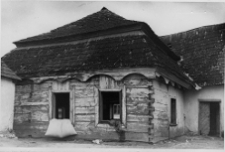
(162, 95)
(192, 98)
(7, 104)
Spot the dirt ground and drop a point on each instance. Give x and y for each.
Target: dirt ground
(183, 142)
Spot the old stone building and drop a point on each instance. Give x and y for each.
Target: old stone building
(99, 70)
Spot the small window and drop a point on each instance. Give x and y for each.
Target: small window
(61, 106)
(173, 109)
(109, 105)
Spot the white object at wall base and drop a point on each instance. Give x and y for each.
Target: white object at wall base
(60, 128)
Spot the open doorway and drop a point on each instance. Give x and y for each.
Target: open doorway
(110, 105)
(61, 106)
(209, 118)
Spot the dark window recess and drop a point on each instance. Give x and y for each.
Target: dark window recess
(62, 106)
(173, 110)
(110, 106)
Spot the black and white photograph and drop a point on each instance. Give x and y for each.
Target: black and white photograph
(112, 75)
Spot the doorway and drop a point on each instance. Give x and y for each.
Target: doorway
(61, 106)
(209, 118)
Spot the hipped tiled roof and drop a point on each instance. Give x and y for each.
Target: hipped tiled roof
(113, 50)
(128, 51)
(7, 72)
(202, 50)
(101, 20)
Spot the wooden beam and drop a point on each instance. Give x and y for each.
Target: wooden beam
(72, 100)
(31, 103)
(116, 74)
(124, 105)
(50, 98)
(96, 100)
(173, 78)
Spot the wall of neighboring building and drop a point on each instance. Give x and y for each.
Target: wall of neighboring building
(7, 104)
(33, 107)
(162, 95)
(192, 98)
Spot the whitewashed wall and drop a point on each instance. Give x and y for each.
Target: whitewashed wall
(7, 104)
(192, 98)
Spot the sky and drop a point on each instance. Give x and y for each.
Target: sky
(23, 19)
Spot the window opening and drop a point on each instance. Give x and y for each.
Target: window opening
(61, 106)
(173, 111)
(110, 105)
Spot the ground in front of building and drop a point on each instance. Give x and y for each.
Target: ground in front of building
(183, 142)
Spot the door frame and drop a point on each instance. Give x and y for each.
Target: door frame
(209, 101)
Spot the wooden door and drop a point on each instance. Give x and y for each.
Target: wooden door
(204, 118)
(214, 119)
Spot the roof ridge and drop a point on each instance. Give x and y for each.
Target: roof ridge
(191, 30)
(104, 9)
(98, 21)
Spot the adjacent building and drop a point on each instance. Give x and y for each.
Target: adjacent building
(8, 79)
(202, 52)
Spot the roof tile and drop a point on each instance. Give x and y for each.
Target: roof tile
(101, 20)
(203, 52)
(7, 72)
(101, 54)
